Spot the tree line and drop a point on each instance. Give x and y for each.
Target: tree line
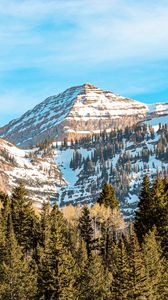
(85, 252)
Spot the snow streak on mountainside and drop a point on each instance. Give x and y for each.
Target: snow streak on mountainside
(121, 159)
(75, 172)
(74, 113)
(37, 170)
(158, 108)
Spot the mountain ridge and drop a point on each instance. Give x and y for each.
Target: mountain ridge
(74, 172)
(35, 168)
(77, 112)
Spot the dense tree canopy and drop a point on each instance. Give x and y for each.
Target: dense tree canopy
(91, 254)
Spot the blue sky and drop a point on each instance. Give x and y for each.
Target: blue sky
(48, 46)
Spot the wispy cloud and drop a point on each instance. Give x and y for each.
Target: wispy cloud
(72, 40)
(101, 31)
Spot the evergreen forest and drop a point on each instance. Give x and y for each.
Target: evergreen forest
(85, 252)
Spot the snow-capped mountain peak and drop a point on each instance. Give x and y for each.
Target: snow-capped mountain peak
(77, 112)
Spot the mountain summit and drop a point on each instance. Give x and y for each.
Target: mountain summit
(77, 112)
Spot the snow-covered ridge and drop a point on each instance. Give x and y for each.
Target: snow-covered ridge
(78, 111)
(84, 186)
(159, 108)
(40, 175)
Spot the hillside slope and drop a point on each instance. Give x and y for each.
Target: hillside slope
(75, 113)
(75, 172)
(121, 158)
(34, 167)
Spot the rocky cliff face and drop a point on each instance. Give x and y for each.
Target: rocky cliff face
(79, 111)
(35, 168)
(122, 159)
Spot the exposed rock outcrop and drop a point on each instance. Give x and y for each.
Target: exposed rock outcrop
(34, 168)
(76, 112)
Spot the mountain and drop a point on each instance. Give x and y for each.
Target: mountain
(35, 168)
(121, 157)
(109, 138)
(73, 173)
(75, 113)
(158, 109)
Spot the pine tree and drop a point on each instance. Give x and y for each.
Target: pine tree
(2, 243)
(137, 278)
(6, 209)
(143, 222)
(164, 226)
(121, 275)
(107, 197)
(45, 225)
(23, 217)
(159, 212)
(95, 281)
(86, 229)
(17, 282)
(108, 245)
(154, 265)
(57, 267)
(153, 211)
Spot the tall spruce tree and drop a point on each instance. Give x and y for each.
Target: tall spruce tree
(2, 244)
(57, 267)
(153, 211)
(45, 225)
(23, 218)
(138, 287)
(107, 245)
(154, 266)
(143, 222)
(95, 281)
(121, 274)
(159, 212)
(86, 229)
(6, 209)
(17, 282)
(107, 197)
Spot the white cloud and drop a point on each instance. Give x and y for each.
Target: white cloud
(103, 31)
(79, 35)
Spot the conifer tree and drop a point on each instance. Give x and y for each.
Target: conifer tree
(5, 210)
(23, 218)
(121, 275)
(45, 225)
(153, 211)
(137, 278)
(2, 243)
(57, 267)
(159, 212)
(86, 229)
(143, 222)
(95, 281)
(107, 245)
(154, 265)
(17, 282)
(107, 197)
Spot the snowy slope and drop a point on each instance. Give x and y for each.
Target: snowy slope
(77, 111)
(154, 122)
(40, 175)
(85, 188)
(158, 108)
(47, 173)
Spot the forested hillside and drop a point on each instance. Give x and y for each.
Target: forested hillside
(86, 252)
(120, 157)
